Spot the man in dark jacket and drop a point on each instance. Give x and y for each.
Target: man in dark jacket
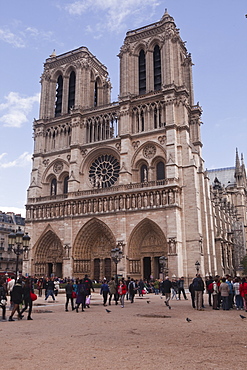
(198, 285)
(69, 290)
(166, 290)
(50, 289)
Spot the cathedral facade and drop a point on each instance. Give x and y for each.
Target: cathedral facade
(127, 174)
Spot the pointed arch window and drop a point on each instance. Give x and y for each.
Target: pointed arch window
(54, 187)
(160, 171)
(144, 173)
(142, 72)
(65, 185)
(59, 96)
(157, 68)
(71, 97)
(96, 93)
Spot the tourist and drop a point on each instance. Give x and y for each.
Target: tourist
(50, 289)
(192, 294)
(243, 292)
(69, 291)
(122, 291)
(40, 286)
(27, 290)
(209, 281)
(238, 298)
(132, 290)
(141, 287)
(156, 287)
(81, 296)
(215, 294)
(112, 290)
(3, 299)
(174, 289)
(88, 287)
(166, 290)
(17, 297)
(104, 290)
(224, 291)
(199, 288)
(180, 284)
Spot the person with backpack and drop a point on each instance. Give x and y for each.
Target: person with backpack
(132, 290)
(104, 290)
(198, 285)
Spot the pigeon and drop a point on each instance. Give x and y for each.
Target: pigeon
(242, 317)
(169, 307)
(188, 319)
(108, 311)
(148, 301)
(160, 297)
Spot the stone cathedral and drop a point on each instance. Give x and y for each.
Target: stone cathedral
(127, 174)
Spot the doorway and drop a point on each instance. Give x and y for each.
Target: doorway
(146, 268)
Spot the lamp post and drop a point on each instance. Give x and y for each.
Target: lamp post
(163, 263)
(19, 243)
(116, 256)
(197, 264)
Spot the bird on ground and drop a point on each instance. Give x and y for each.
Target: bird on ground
(160, 297)
(189, 320)
(108, 311)
(169, 307)
(148, 301)
(242, 317)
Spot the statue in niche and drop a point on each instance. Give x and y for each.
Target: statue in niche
(139, 201)
(133, 201)
(121, 203)
(89, 206)
(104, 204)
(145, 178)
(145, 200)
(111, 204)
(127, 202)
(171, 197)
(53, 188)
(172, 246)
(151, 200)
(157, 198)
(100, 205)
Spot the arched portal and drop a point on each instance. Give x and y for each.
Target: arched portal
(147, 244)
(92, 251)
(48, 259)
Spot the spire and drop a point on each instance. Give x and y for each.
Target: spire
(53, 54)
(237, 166)
(167, 17)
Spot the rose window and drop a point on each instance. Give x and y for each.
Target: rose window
(104, 171)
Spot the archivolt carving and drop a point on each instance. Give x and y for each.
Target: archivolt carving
(49, 248)
(147, 237)
(94, 238)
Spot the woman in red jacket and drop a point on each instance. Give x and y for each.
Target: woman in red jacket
(243, 292)
(122, 290)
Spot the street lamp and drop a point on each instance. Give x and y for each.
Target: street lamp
(19, 243)
(197, 264)
(116, 256)
(163, 263)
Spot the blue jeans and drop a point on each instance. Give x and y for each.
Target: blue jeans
(239, 301)
(50, 292)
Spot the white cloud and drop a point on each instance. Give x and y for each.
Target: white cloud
(23, 160)
(17, 108)
(117, 11)
(11, 38)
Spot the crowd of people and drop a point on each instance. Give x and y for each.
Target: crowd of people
(223, 292)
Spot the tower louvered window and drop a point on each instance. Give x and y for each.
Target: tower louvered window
(157, 68)
(142, 72)
(59, 96)
(71, 98)
(160, 171)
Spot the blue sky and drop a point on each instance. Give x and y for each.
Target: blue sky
(216, 35)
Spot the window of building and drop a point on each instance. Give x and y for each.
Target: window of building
(53, 187)
(142, 72)
(71, 98)
(65, 185)
(157, 68)
(160, 171)
(59, 96)
(96, 93)
(144, 173)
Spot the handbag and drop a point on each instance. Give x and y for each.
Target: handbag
(74, 295)
(88, 300)
(33, 296)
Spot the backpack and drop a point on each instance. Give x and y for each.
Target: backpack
(82, 289)
(210, 288)
(197, 284)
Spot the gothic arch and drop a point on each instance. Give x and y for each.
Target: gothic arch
(147, 238)
(92, 250)
(160, 150)
(48, 254)
(147, 244)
